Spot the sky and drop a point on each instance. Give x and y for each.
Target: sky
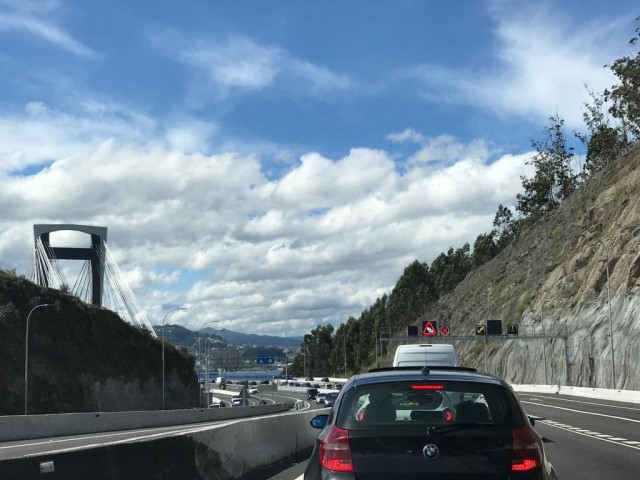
(275, 166)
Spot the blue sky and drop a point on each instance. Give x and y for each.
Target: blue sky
(280, 148)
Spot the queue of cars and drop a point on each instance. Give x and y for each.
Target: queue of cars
(429, 421)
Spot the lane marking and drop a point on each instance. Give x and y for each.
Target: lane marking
(610, 440)
(582, 411)
(588, 403)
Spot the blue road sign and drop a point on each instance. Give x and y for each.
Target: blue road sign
(265, 359)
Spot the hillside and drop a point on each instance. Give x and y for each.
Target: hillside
(82, 358)
(254, 339)
(555, 276)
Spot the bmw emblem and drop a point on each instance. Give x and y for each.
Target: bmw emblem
(430, 451)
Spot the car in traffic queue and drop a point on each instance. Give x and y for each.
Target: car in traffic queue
(320, 396)
(252, 390)
(330, 399)
(427, 422)
(311, 393)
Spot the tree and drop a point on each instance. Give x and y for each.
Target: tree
(625, 96)
(604, 142)
(414, 291)
(553, 180)
(484, 249)
(450, 269)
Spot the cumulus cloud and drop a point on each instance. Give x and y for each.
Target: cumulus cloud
(315, 245)
(541, 65)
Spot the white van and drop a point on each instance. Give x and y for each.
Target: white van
(426, 355)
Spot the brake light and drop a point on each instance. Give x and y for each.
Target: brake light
(427, 387)
(335, 451)
(527, 450)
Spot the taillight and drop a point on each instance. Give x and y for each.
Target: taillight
(335, 452)
(427, 387)
(527, 450)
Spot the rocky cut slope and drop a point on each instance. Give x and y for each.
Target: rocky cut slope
(83, 358)
(554, 277)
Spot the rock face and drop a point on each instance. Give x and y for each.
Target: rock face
(83, 358)
(554, 279)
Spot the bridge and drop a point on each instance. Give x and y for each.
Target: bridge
(99, 281)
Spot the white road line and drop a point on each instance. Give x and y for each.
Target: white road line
(582, 411)
(582, 401)
(632, 442)
(301, 477)
(624, 444)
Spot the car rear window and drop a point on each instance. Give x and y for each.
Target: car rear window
(427, 403)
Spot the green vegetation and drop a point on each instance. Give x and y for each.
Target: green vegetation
(82, 358)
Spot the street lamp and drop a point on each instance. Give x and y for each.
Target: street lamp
(163, 320)
(206, 380)
(26, 354)
(613, 364)
(206, 349)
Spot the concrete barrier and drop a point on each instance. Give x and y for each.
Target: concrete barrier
(20, 427)
(630, 396)
(231, 451)
(536, 388)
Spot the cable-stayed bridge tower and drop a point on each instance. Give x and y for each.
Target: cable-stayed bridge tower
(100, 280)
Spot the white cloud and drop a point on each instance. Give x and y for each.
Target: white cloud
(28, 17)
(315, 245)
(238, 62)
(407, 135)
(542, 63)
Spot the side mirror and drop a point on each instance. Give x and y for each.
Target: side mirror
(319, 421)
(532, 421)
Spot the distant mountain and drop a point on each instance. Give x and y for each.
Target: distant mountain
(253, 339)
(182, 336)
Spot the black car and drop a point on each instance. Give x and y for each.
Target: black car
(436, 422)
(311, 393)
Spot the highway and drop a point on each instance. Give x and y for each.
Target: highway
(584, 438)
(51, 446)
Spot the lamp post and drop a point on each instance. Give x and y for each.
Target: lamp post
(206, 380)
(163, 320)
(613, 364)
(26, 354)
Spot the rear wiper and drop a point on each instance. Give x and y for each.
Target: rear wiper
(454, 427)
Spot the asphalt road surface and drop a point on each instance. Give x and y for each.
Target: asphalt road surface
(585, 439)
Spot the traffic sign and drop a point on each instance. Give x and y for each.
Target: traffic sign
(445, 330)
(494, 327)
(265, 359)
(429, 328)
(481, 330)
(512, 329)
(412, 331)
